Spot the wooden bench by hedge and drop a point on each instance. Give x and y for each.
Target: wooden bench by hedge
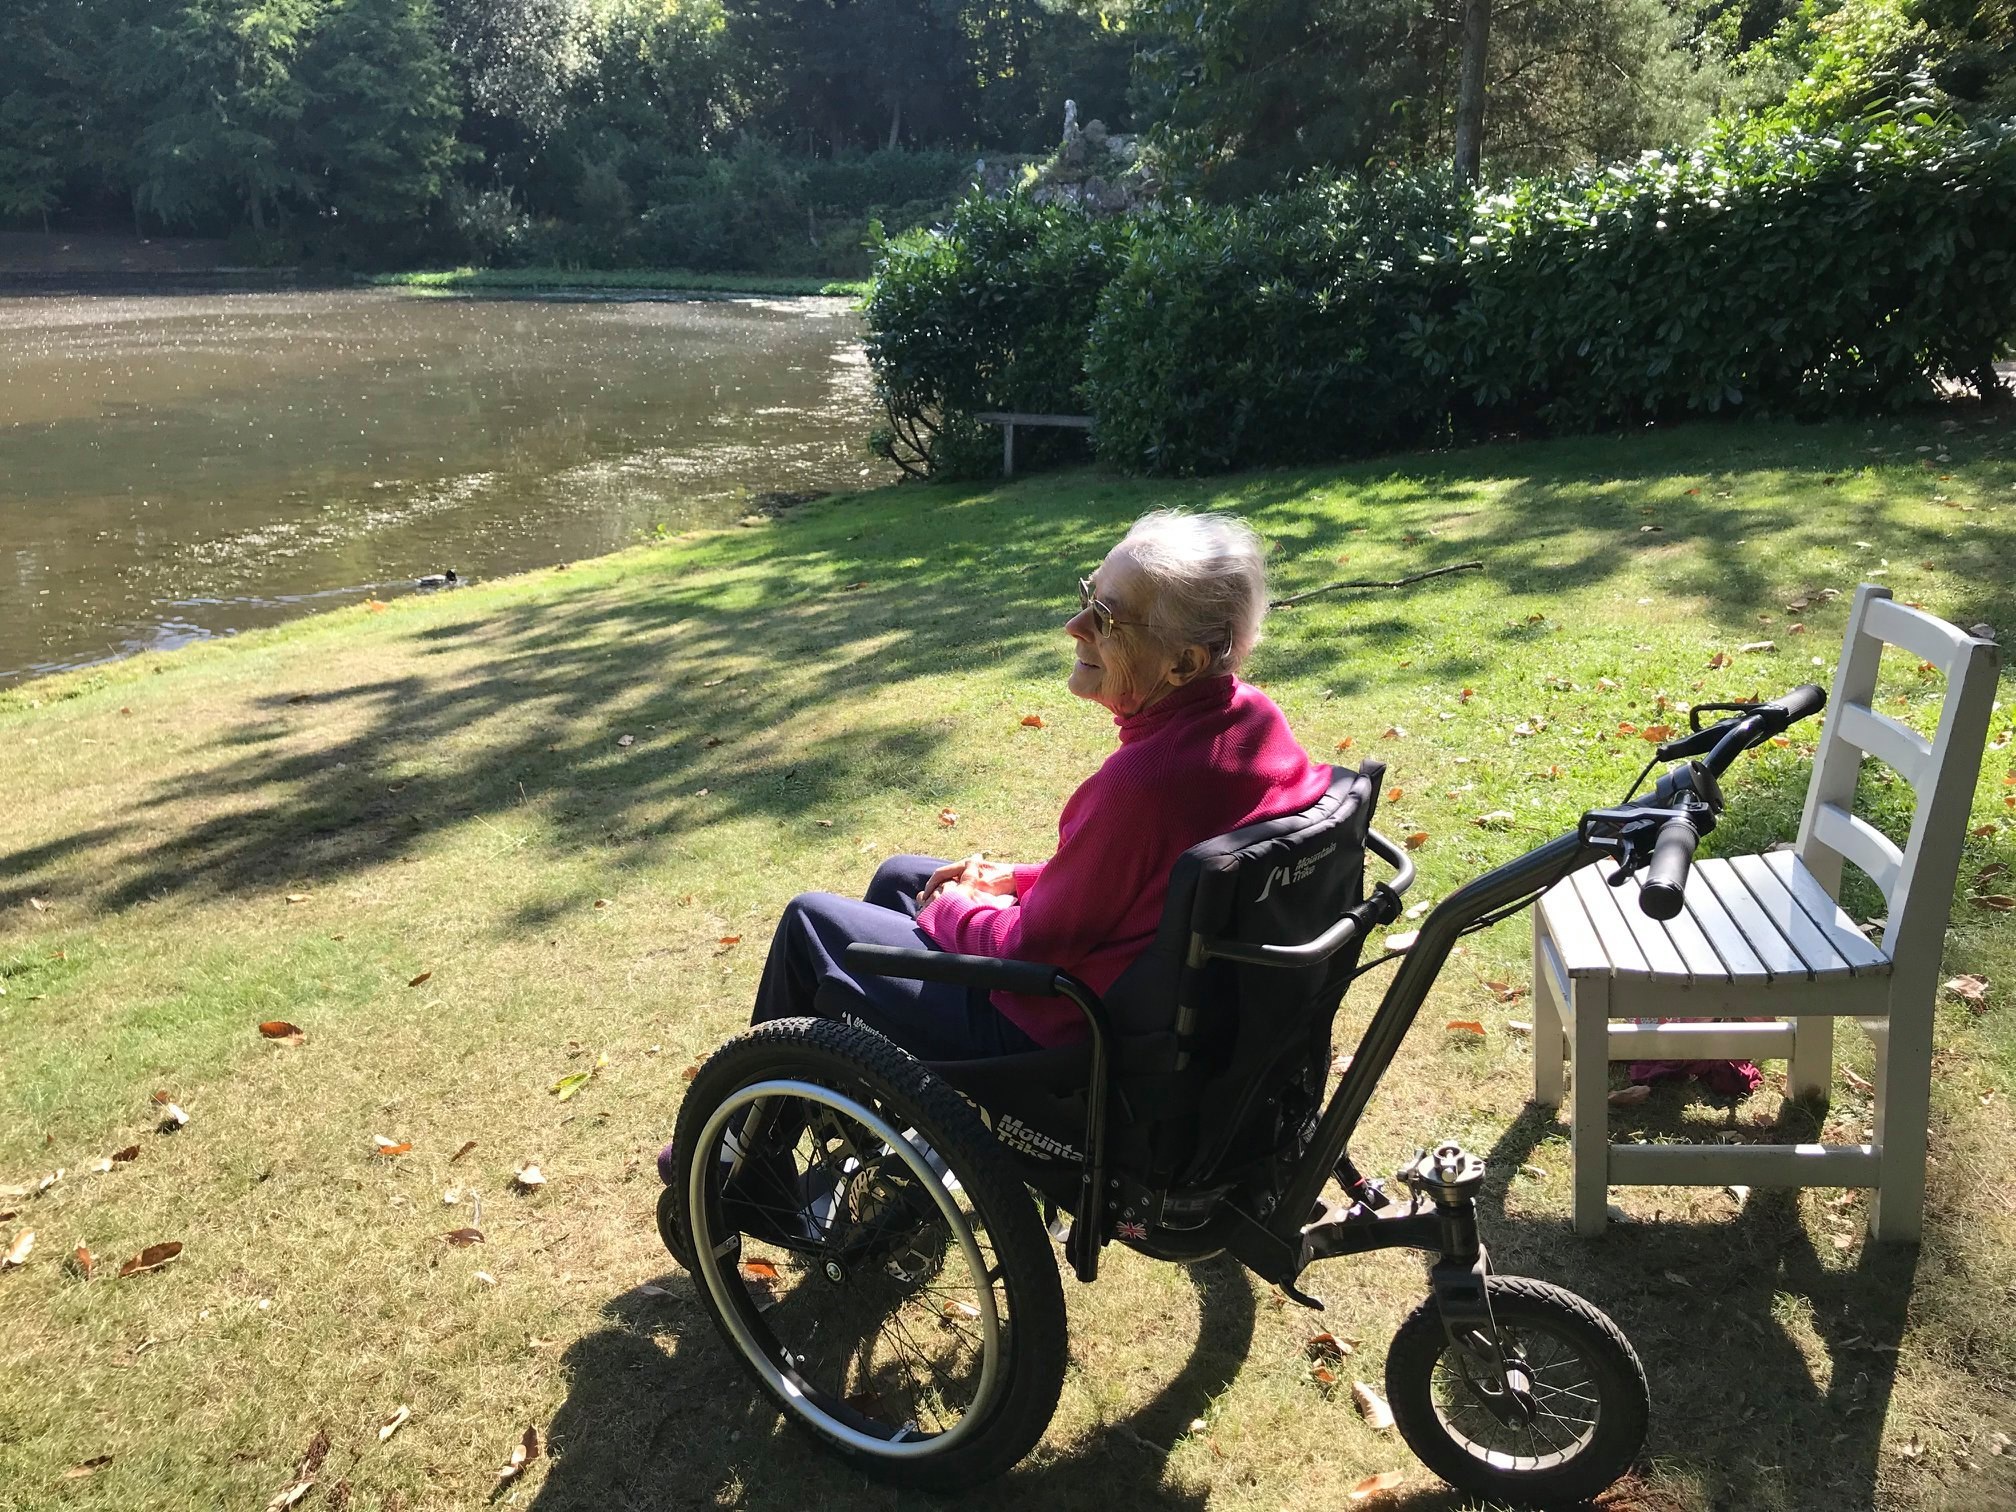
(1008, 420)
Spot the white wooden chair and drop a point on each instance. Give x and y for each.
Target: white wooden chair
(1763, 935)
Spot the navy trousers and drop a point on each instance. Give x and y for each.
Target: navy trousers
(806, 975)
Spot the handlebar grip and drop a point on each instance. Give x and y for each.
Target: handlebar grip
(1666, 877)
(1801, 703)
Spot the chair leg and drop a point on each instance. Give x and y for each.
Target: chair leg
(1811, 1073)
(1589, 1013)
(1903, 1112)
(1550, 1046)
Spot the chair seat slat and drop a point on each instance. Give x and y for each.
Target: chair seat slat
(1567, 923)
(1853, 945)
(1739, 961)
(1601, 905)
(1778, 957)
(1702, 961)
(1662, 958)
(1823, 961)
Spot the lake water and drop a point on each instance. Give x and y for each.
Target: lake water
(176, 467)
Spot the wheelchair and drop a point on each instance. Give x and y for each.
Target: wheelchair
(868, 1231)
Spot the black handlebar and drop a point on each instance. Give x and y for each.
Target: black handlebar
(1666, 878)
(1693, 791)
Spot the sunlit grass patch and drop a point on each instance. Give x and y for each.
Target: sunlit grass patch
(558, 796)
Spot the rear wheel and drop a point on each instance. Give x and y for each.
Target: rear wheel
(1549, 1413)
(866, 1249)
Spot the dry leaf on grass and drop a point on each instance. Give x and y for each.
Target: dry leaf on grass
(1344, 744)
(1376, 1485)
(83, 1260)
(1394, 795)
(486, 1278)
(131, 1152)
(18, 1252)
(467, 1146)
(1857, 1082)
(1466, 1026)
(1403, 940)
(948, 817)
(568, 1085)
(297, 897)
(1416, 839)
(424, 976)
(529, 1176)
(462, 1238)
(1969, 989)
(1625, 1097)
(280, 1029)
(1032, 721)
(1326, 1346)
(1371, 1407)
(390, 1147)
(87, 1467)
(394, 1423)
(151, 1258)
(291, 1493)
(523, 1453)
(1496, 819)
(172, 1118)
(38, 905)
(1323, 1375)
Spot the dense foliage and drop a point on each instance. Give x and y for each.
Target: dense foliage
(1770, 270)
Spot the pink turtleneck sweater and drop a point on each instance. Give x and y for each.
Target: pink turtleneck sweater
(1202, 761)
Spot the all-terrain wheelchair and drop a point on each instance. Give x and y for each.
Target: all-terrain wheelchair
(862, 1228)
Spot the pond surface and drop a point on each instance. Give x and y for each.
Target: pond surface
(174, 467)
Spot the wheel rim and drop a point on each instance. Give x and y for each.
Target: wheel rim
(1554, 1406)
(868, 1298)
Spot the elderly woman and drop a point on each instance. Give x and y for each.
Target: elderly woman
(1161, 631)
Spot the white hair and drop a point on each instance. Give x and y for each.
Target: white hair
(1208, 577)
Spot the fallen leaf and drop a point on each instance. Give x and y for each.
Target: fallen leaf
(759, 1270)
(958, 1309)
(1466, 695)
(1371, 1407)
(467, 1146)
(1970, 989)
(1650, 529)
(451, 1197)
(173, 1118)
(1323, 1375)
(1625, 727)
(529, 1176)
(278, 1029)
(568, 1085)
(462, 1238)
(486, 1278)
(652, 1291)
(726, 940)
(1656, 733)
(1393, 732)
(1856, 1082)
(1466, 1026)
(948, 817)
(87, 1467)
(1393, 795)
(371, 606)
(18, 1252)
(1999, 902)
(1984, 831)
(289, 1494)
(1759, 646)
(85, 1260)
(1625, 1097)
(1032, 721)
(1344, 744)
(690, 1072)
(297, 897)
(102, 1166)
(627, 741)
(394, 1423)
(1416, 840)
(1326, 1346)
(1341, 1064)
(1718, 660)
(48, 1181)
(1402, 941)
(423, 977)
(151, 1258)
(1496, 819)
(38, 905)
(523, 1453)
(1376, 1485)
(391, 1147)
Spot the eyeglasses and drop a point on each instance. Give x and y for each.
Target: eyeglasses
(1103, 618)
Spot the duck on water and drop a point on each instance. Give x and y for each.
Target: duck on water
(446, 579)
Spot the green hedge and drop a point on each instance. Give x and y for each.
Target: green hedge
(1776, 272)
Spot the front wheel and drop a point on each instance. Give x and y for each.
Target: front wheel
(1549, 1413)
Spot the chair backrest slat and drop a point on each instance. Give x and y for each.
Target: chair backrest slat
(1916, 880)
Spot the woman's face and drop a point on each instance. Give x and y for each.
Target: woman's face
(1122, 669)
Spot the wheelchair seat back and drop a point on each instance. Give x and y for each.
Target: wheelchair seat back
(1218, 1065)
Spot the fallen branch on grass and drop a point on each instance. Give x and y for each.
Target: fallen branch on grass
(1296, 598)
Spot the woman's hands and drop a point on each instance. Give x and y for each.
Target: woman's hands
(976, 878)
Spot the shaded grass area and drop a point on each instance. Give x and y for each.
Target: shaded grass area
(300, 823)
(667, 279)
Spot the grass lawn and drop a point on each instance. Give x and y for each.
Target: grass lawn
(480, 841)
(680, 279)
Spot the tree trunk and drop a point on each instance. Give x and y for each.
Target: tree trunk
(1470, 90)
(895, 121)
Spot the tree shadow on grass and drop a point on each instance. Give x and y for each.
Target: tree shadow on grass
(532, 699)
(659, 1414)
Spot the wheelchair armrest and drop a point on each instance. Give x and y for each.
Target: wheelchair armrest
(1030, 978)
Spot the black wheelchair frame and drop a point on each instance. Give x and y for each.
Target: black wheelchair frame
(1439, 1215)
